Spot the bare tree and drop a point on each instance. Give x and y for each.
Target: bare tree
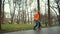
(31, 11)
(54, 10)
(14, 6)
(25, 12)
(58, 6)
(18, 20)
(23, 16)
(12, 12)
(19, 15)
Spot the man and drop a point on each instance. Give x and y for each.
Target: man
(37, 20)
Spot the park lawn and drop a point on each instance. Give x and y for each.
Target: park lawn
(18, 27)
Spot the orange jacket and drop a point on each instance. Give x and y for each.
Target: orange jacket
(37, 16)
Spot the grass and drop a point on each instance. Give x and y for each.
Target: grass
(18, 27)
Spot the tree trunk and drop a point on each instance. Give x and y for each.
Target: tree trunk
(38, 7)
(11, 19)
(17, 20)
(0, 14)
(19, 15)
(49, 22)
(31, 14)
(3, 12)
(59, 15)
(28, 15)
(24, 17)
(10, 11)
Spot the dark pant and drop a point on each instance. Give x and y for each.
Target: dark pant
(37, 24)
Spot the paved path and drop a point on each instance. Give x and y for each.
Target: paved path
(49, 30)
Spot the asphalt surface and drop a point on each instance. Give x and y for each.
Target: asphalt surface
(49, 30)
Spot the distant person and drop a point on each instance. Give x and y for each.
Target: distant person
(37, 20)
(46, 23)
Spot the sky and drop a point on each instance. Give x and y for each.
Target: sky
(33, 5)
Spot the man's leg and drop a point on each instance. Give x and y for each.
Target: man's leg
(35, 25)
(39, 25)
